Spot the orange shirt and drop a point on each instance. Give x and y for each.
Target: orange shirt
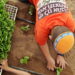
(50, 15)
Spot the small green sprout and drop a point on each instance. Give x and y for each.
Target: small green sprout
(25, 28)
(31, 10)
(58, 70)
(24, 60)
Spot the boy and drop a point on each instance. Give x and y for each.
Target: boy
(5, 67)
(53, 20)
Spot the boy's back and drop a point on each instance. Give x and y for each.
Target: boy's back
(47, 7)
(50, 13)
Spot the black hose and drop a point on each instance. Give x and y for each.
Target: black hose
(25, 20)
(32, 72)
(24, 1)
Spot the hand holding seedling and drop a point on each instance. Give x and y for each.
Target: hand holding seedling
(61, 61)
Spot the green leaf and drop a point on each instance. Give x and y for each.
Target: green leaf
(24, 60)
(31, 9)
(25, 28)
(58, 70)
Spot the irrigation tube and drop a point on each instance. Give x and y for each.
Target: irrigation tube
(25, 20)
(32, 72)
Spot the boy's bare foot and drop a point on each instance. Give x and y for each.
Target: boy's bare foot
(51, 64)
(61, 61)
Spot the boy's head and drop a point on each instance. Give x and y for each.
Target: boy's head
(63, 39)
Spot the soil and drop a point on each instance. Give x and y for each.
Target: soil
(24, 44)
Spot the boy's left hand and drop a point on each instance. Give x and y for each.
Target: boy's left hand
(61, 61)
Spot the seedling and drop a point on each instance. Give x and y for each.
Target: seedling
(24, 60)
(25, 28)
(58, 70)
(31, 9)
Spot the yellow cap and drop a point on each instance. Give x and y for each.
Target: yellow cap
(64, 42)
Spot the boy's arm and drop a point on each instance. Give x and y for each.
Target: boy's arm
(45, 51)
(50, 60)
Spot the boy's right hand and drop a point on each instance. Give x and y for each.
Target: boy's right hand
(51, 64)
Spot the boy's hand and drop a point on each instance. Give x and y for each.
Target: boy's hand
(51, 64)
(61, 61)
(4, 65)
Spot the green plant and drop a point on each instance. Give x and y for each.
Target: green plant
(5, 1)
(6, 30)
(58, 70)
(24, 60)
(25, 28)
(31, 9)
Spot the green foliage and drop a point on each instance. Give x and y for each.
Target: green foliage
(58, 70)
(25, 28)
(24, 60)
(6, 30)
(2, 3)
(31, 10)
(5, 1)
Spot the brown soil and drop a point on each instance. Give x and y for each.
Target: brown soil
(24, 44)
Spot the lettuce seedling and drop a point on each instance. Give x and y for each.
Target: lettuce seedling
(25, 28)
(58, 70)
(24, 60)
(31, 10)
